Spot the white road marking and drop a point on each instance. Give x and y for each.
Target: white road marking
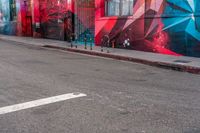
(40, 102)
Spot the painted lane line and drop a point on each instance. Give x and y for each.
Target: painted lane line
(40, 102)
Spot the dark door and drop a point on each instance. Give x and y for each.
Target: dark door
(69, 26)
(53, 29)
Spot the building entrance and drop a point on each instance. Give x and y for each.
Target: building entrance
(69, 26)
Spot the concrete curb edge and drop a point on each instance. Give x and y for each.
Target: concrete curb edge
(177, 67)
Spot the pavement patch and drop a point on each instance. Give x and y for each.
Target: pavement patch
(182, 61)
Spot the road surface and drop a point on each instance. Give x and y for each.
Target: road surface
(119, 97)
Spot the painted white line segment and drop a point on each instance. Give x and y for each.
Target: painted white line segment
(40, 102)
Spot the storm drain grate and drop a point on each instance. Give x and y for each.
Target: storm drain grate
(182, 61)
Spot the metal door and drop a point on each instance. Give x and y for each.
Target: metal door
(84, 20)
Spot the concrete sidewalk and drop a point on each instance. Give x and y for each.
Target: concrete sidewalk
(180, 63)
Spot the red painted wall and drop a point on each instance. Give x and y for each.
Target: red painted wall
(160, 26)
(119, 28)
(143, 30)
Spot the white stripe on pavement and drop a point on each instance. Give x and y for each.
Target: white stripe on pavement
(40, 102)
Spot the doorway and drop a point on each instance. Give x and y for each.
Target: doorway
(69, 26)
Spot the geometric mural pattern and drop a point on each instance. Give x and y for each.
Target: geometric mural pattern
(161, 26)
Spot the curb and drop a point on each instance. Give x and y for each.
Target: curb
(177, 67)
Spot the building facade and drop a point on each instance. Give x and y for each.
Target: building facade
(160, 26)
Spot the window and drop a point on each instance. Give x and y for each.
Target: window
(119, 7)
(13, 11)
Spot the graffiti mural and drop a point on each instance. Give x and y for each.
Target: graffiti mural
(61, 19)
(53, 19)
(6, 26)
(183, 27)
(15, 17)
(160, 26)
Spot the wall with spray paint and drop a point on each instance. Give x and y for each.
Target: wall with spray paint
(52, 19)
(15, 17)
(7, 26)
(61, 19)
(161, 26)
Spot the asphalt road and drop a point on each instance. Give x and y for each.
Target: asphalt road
(122, 97)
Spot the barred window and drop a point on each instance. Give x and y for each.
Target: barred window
(119, 7)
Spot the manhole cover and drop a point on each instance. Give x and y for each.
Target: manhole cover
(182, 61)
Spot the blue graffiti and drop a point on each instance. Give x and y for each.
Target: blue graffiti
(183, 25)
